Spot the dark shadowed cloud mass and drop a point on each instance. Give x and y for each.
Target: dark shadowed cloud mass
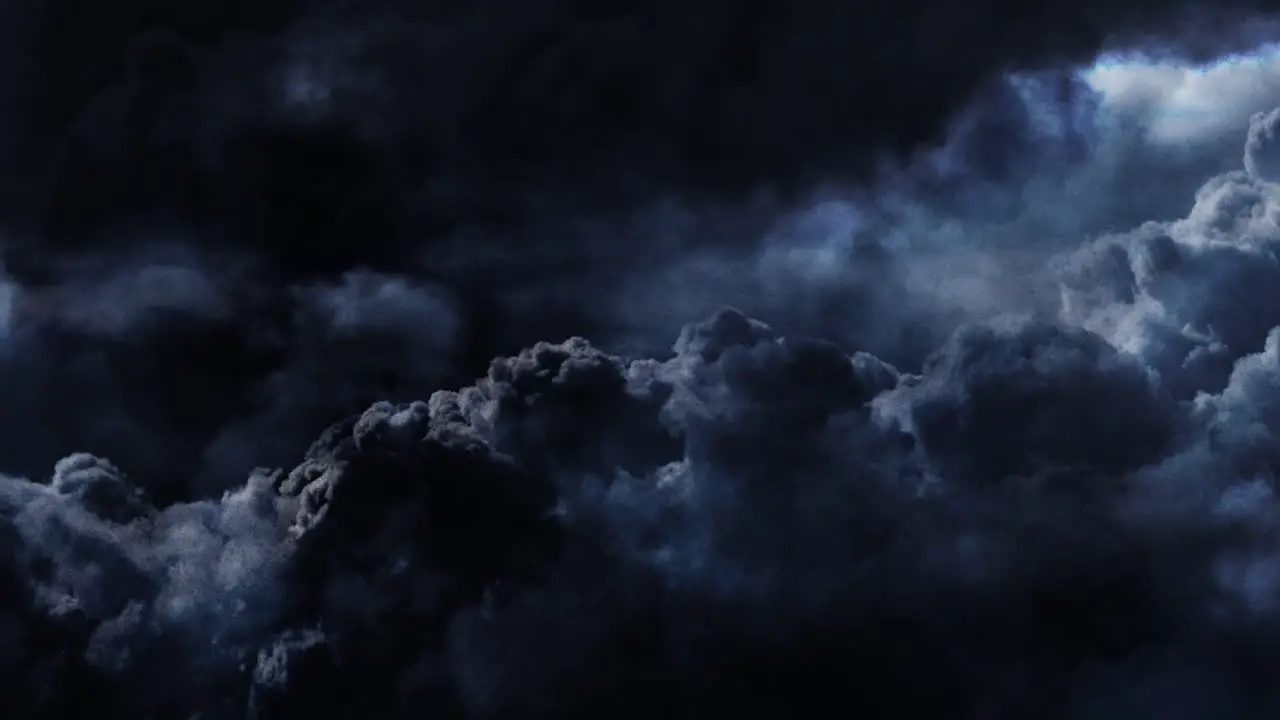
(562, 359)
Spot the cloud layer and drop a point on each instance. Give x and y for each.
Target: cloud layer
(989, 434)
(1070, 517)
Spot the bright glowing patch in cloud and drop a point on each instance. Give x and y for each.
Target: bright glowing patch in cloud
(1184, 103)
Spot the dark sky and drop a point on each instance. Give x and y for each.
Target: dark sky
(988, 432)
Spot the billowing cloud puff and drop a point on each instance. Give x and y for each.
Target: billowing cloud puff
(341, 372)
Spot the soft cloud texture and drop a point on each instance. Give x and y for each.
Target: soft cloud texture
(557, 359)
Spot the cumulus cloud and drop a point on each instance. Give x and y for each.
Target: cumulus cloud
(1180, 102)
(348, 366)
(1069, 515)
(789, 512)
(211, 211)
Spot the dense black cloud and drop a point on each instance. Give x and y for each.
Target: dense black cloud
(365, 127)
(228, 227)
(184, 182)
(1031, 526)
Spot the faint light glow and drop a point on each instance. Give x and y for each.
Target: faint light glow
(8, 294)
(305, 86)
(815, 243)
(8, 298)
(1044, 112)
(1181, 102)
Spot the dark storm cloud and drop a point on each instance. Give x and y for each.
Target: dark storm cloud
(218, 244)
(184, 178)
(365, 128)
(796, 526)
(1260, 149)
(1192, 295)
